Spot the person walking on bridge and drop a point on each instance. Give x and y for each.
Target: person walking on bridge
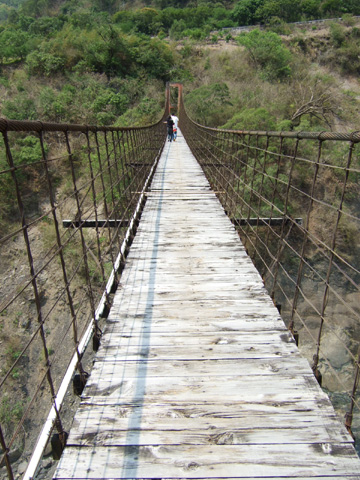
(176, 121)
(170, 128)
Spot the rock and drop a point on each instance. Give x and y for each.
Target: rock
(48, 464)
(333, 348)
(22, 467)
(26, 323)
(14, 455)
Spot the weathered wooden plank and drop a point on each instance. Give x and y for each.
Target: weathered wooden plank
(215, 368)
(230, 388)
(189, 352)
(172, 325)
(186, 339)
(165, 425)
(289, 461)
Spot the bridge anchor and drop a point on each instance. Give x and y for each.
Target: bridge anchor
(58, 443)
(79, 382)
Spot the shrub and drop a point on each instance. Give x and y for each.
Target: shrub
(21, 107)
(251, 119)
(349, 57)
(14, 45)
(268, 54)
(43, 63)
(337, 34)
(208, 103)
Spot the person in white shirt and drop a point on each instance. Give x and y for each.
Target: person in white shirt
(176, 121)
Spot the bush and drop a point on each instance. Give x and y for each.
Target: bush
(51, 105)
(43, 63)
(156, 57)
(251, 119)
(349, 58)
(177, 29)
(337, 34)
(267, 53)
(208, 104)
(14, 45)
(21, 107)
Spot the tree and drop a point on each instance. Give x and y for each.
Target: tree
(287, 10)
(206, 104)
(315, 101)
(333, 8)
(105, 5)
(267, 53)
(155, 57)
(14, 45)
(35, 8)
(109, 53)
(311, 8)
(244, 12)
(251, 119)
(148, 21)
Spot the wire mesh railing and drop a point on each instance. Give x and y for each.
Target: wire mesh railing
(70, 197)
(294, 199)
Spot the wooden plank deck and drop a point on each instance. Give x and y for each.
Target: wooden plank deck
(197, 376)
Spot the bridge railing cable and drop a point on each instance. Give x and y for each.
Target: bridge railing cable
(70, 201)
(293, 197)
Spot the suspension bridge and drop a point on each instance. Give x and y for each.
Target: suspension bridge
(196, 374)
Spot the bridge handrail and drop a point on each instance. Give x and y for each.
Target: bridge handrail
(7, 125)
(109, 169)
(324, 135)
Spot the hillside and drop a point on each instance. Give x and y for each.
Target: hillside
(106, 62)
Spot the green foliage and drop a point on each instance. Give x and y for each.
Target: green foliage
(245, 12)
(108, 52)
(155, 57)
(147, 21)
(124, 19)
(208, 104)
(287, 10)
(105, 5)
(20, 107)
(267, 53)
(10, 412)
(251, 119)
(333, 8)
(310, 9)
(36, 8)
(349, 57)
(148, 111)
(4, 12)
(177, 29)
(29, 151)
(337, 34)
(275, 24)
(14, 45)
(44, 63)
(346, 49)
